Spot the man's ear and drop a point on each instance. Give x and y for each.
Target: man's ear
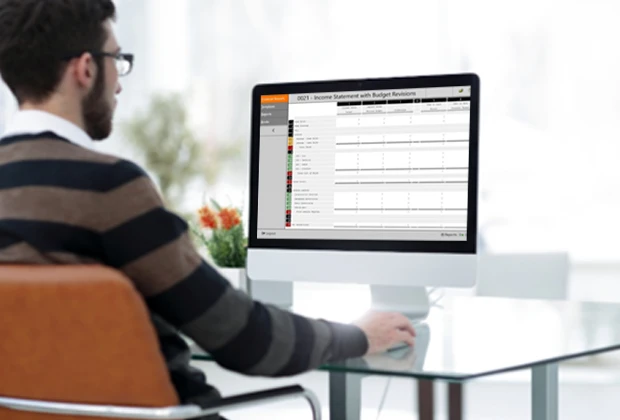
(84, 70)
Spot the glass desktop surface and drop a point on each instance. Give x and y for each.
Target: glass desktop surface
(469, 337)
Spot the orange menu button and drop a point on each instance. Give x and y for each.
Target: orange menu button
(273, 99)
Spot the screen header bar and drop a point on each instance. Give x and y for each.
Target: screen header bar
(440, 92)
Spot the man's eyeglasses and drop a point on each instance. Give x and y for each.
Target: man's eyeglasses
(124, 61)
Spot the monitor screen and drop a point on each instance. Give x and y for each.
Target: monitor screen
(365, 165)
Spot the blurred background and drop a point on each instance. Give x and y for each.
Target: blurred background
(549, 141)
(550, 107)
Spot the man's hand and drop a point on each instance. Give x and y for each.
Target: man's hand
(385, 330)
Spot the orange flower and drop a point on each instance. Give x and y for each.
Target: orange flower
(229, 217)
(208, 218)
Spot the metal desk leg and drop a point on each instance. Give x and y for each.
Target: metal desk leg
(426, 400)
(545, 392)
(455, 401)
(345, 396)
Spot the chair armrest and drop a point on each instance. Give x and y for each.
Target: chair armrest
(270, 395)
(181, 412)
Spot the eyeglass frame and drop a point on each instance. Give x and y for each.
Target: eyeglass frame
(117, 56)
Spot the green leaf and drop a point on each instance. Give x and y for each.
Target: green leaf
(227, 247)
(215, 205)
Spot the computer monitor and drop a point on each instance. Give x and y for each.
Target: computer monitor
(370, 181)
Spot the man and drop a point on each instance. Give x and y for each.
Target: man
(62, 203)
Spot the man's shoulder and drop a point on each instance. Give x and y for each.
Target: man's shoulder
(109, 172)
(114, 171)
(48, 146)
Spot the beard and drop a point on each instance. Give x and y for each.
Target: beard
(96, 111)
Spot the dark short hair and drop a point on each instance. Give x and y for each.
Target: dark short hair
(37, 35)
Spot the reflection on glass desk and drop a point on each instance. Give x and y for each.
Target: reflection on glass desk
(472, 337)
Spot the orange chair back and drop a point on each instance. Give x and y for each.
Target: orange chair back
(78, 334)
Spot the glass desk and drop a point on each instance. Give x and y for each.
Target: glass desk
(465, 338)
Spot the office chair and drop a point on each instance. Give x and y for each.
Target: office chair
(77, 341)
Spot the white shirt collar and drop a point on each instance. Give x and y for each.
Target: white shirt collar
(34, 121)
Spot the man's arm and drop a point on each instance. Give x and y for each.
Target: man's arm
(152, 247)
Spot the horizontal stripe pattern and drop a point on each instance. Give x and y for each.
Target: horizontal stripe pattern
(321, 349)
(170, 264)
(36, 137)
(191, 298)
(23, 253)
(52, 149)
(247, 347)
(63, 204)
(77, 208)
(141, 235)
(70, 174)
(281, 344)
(218, 325)
(81, 208)
(302, 348)
(55, 237)
(7, 240)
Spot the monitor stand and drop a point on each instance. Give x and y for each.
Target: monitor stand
(410, 301)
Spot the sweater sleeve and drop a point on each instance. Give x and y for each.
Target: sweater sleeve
(151, 246)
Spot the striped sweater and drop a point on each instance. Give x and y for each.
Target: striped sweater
(63, 204)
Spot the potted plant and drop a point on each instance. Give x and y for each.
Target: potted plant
(220, 230)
